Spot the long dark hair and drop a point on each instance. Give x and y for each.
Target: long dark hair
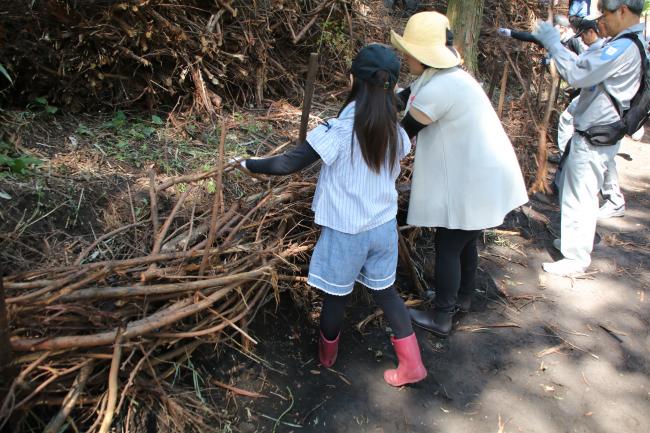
(375, 121)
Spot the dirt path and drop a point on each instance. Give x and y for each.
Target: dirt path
(538, 354)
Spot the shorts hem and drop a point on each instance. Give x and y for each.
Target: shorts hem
(371, 287)
(376, 280)
(326, 290)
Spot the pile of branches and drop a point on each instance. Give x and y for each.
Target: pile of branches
(166, 53)
(99, 342)
(105, 337)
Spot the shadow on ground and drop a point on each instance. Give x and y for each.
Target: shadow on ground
(538, 353)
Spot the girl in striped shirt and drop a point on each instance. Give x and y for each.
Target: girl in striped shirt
(355, 203)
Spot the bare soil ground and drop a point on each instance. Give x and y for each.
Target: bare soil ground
(537, 353)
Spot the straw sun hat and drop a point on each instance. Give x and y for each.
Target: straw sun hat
(426, 39)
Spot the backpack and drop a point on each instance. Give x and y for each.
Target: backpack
(635, 116)
(639, 110)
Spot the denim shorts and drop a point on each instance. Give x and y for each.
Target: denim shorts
(340, 259)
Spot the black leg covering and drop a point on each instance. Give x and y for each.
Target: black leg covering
(456, 263)
(332, 314)
(394, 310)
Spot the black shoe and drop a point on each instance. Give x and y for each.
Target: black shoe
(464, 303)
(437, 322)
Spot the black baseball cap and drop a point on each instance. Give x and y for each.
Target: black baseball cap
(586, 24)
(373, 58)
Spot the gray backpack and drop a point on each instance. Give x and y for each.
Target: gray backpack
(635, 116)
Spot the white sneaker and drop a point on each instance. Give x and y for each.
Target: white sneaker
(557, 244)
(638, 135)
(564, 267)
(608, 210)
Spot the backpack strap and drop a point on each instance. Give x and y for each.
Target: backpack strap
(634, 38)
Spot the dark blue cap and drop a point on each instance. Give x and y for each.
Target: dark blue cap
(373, 58)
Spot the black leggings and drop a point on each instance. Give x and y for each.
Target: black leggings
(456, 264)
(331, 318)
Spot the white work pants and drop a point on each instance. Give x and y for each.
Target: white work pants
(583, 177)
(565, 129)
(611, 190)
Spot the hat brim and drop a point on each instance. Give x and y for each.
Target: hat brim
(436, 57)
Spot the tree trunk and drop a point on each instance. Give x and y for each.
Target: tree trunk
(465, 17)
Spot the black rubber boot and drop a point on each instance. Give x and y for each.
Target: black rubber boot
(437, 322)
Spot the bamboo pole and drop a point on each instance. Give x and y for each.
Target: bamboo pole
(541, 182)
(217, 206)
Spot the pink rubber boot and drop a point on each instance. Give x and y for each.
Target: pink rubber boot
(327, 350)
(410, 368)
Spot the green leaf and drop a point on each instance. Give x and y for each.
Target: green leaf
(4, 72)
(30, 160)
(156, 120)
(211, 186)
(148, 131)
(41, 101)
(84, 130)
(51, 109)
(20, 164)
(119, 119)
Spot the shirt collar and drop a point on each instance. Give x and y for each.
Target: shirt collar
(348, 112)
(636, 28)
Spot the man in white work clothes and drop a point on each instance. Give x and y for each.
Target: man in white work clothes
(587, 30)
(608, 77)
(590, 29)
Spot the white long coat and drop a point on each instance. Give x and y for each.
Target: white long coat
(466, 174)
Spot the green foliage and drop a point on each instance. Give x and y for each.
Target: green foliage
(140, 141)
(335, 36)
(41, 105)
(118, 120)
(84, 130)
(10, 162)
(211, 186)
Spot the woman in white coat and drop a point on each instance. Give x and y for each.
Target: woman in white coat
(466, 176)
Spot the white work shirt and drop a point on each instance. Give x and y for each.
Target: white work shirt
(466, 174)
(349, 196)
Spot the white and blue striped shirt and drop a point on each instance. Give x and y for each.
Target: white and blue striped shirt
(350, 197)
